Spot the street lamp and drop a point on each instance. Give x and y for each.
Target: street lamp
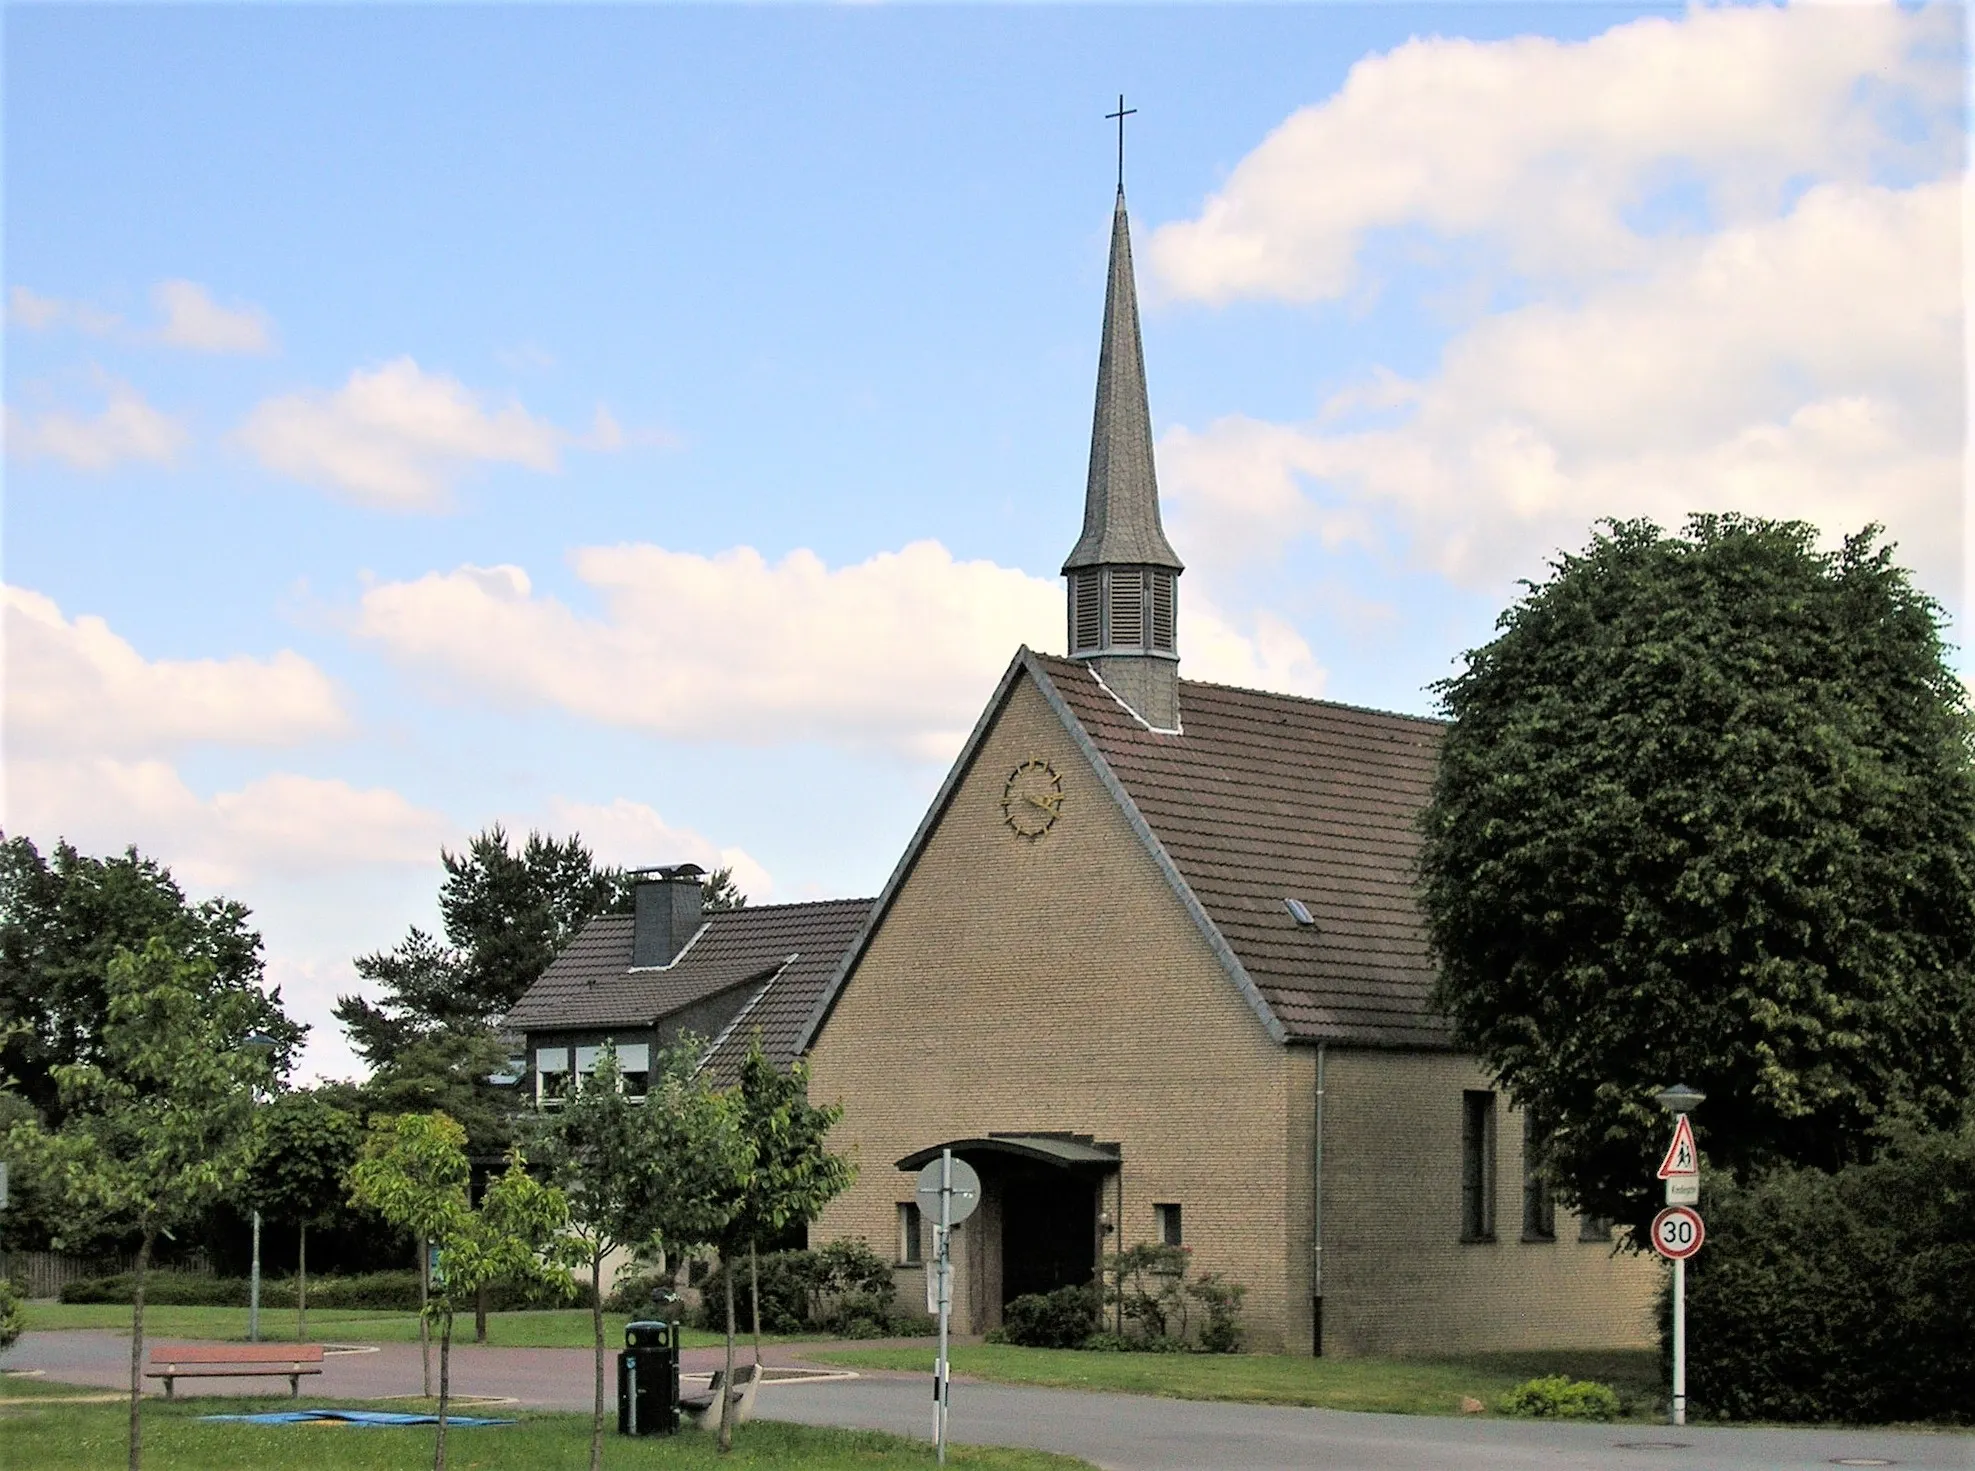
(1680, 1100)
(261, 1046)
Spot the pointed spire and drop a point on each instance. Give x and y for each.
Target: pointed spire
(1121, 497)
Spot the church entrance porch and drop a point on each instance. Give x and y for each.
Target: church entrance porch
(1039, 1226)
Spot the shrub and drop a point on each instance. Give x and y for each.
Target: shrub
(12, 1319)
(1221, 1334)
(1557, 1397)
(1839, 1296)
(843, 1288)
(1060, 1319)
(1129, 1343)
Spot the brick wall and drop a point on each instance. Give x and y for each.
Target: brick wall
(1397, 1276)
(1054, 984)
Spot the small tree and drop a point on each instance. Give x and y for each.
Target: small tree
(791, 1176)
(611, 1154)
(305, 1146)
(158, 1127)
(414, 1173)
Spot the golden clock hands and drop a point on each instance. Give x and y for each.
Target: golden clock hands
(1047, 804)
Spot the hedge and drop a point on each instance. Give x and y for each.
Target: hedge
(387, 1291)
(1845, 1296)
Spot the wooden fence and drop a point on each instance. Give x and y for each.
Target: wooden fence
(46, 1273)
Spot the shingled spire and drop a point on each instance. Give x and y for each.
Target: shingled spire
(1123, 573)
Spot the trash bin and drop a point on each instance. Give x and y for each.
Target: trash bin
(648, 1380)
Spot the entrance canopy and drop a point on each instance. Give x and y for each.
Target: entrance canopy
(1064, 1151)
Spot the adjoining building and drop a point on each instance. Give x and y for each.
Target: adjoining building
(1153, 964)
(640, 981)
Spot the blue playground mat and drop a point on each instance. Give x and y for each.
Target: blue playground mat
(354, 1417)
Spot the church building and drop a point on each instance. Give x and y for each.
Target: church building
(1152, 963)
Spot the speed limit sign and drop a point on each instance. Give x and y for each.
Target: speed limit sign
(1678, 1232)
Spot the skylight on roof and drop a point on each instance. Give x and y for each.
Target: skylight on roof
(1299, 911)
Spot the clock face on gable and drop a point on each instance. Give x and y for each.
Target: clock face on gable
(1032, 800)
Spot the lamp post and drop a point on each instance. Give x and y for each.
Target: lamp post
(1680, 1100)
(262, 1047)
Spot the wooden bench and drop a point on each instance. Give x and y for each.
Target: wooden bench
(288, 1361)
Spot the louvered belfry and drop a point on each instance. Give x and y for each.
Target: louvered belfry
(1123, 574)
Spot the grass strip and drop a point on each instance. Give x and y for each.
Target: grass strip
(68, 1437)
(1392, 1386)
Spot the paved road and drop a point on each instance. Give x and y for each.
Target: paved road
(1117, 1432)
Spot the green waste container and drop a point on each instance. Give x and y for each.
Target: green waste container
(648, 1380)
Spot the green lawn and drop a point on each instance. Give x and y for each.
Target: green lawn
(552, 1328)
(91, 1438)
(1390, 1386)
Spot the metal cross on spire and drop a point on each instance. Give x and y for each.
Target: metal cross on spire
(1121, 114)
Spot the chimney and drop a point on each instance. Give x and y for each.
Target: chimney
(667, 913)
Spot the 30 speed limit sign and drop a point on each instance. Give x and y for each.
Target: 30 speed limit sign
(1678, 1232)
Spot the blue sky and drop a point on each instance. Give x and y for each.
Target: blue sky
(666, 422)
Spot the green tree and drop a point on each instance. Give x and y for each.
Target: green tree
(64, 918)
(508, 910)
(656, 1171)
(794, 1173)
(414, 1173)
(304, 1146)
(1705, 812)
(718, 891)
(159, 1125)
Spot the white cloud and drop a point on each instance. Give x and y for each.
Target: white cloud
(89, 722)
(897, 651)
(1805, 367)
(396, 437)
(38, 313)
(76, 685)
(128, 428)
(628, 834)
(281, 824)
(192, 319)
(1547, 149)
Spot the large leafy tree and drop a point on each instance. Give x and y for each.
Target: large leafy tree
(63, 918)
(158, 1126)
(1705, 812)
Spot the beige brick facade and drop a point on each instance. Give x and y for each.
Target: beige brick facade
(1057, 984)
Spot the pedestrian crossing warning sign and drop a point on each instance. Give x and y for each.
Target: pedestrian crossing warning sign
(1682, 1158)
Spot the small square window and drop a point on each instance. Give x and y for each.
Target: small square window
(908, 1233)
(1170, 1231)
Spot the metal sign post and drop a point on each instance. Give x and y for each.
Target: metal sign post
(958, 1191)
(1678, 1230)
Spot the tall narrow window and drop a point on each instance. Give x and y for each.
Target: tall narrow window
(1539, 1211)
(1127, 608)
(1163, 591)
(908, 1233)
(1477, 1166)
(1171, 1232)
(1594, 1228)
(1086, 610)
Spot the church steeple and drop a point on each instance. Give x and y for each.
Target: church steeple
(1123, 573)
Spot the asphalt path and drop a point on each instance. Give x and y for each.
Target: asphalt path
(1117, 1432)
